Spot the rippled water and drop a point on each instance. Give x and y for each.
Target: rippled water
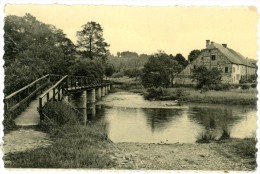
(130, 118)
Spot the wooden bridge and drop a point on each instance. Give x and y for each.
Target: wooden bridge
(26, 105)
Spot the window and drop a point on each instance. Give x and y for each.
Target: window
(234, 70)
(194, 67)
(202, 58)
(226, 69)
(213, 57)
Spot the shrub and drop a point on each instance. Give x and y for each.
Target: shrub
(204, 88)
(59, 114)
(225, 134)
(154, 93)
(244, 86)
(205, 137)
(253, 85)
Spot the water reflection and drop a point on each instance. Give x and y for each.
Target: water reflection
(130, 118)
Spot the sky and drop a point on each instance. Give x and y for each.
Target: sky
(149, 29)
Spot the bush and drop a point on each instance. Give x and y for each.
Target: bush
(225, 134)
(205, 137)
(154, 93)
(244, 86)
(59, 114)
(253, 85)
(204, 88)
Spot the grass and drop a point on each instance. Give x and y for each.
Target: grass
(74, 145)
(234, 96)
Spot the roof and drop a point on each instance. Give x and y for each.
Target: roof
(232, 55)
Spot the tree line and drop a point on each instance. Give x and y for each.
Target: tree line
(33, 49)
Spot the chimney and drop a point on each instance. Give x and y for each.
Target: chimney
(212, 42)
(207, 42)
(224, 45)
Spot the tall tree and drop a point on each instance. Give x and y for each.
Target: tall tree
(193, 55)
(91, 43)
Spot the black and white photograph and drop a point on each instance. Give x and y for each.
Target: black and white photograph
(129, 88)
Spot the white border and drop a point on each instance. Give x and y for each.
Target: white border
(223, 3)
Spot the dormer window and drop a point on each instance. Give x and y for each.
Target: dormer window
(213, 57)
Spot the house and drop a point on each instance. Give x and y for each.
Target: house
(233, 65)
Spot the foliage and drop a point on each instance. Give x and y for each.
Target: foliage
(91, 43)
(128, 54)
(109, 70)
(205, 137)
(87, 68)
(33, 46)
(245, 86)
(133, 73)
(225, 133)
(159, 71)
(181, 60)
(74, 145)
(220, 87)
(206, 77)
(154, 93)
(122, 64)
(193, 55)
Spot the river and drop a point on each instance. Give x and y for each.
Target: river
(131, 118)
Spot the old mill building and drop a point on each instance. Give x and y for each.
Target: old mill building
(234, 66)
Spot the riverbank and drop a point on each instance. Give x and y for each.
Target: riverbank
(84, 147)
(73, 145)
(190, 95)
(221, 156)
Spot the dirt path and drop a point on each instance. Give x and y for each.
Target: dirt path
(173, 157)
(24, 139)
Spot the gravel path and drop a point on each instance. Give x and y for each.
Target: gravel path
(24, 139)
(174, 157)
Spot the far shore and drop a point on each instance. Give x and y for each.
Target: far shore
(190, 95)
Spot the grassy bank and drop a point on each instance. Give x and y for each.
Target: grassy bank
(232, 97)
(185, 94)
(235, 96)
(74, 145)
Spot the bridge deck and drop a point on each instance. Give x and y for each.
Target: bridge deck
(30, 116)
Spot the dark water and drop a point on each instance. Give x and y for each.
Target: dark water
(130, 118)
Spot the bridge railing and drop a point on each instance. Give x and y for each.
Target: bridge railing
(54, 93)
(76, 82)
(20, 99)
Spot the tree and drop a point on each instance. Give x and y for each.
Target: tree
(206, 77)
(159, 71)
(37, 47)
(181, 60)
(87, 68)
(193, 55)
(129, 54)
(109, 70)
(91, 43)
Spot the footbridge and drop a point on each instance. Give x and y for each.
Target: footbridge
(26, 105)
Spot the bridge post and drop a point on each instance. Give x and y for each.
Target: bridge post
(91, 101)
(98, 93)
(85, 107)
(106, 90)
(102, 91)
